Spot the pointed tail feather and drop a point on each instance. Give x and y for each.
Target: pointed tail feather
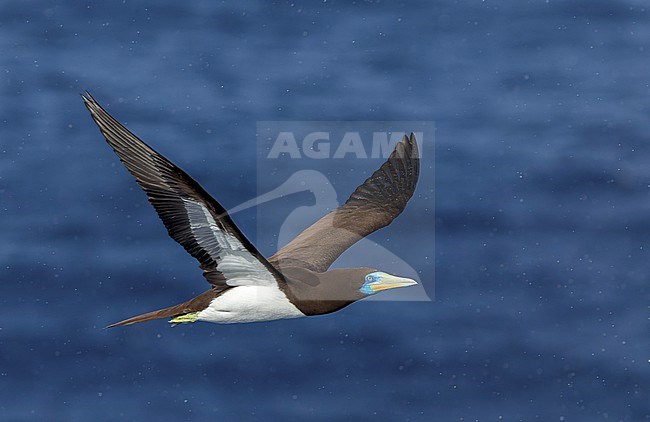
(149, 316)
(197, 304)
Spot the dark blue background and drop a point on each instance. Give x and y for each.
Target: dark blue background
(542, 144)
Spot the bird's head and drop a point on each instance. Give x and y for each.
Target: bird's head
(321, 293)
(376, 281)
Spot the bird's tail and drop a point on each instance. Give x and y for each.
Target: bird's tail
(192, 306)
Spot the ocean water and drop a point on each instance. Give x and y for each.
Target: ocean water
(541, 299)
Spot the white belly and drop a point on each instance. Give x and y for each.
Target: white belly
(249, 304)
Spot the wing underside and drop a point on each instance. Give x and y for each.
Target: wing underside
(192, 217)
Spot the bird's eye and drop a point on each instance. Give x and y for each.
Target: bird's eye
(369, 278)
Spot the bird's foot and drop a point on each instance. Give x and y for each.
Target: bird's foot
(191, 317)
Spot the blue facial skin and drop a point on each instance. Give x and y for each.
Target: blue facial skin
(370, 278)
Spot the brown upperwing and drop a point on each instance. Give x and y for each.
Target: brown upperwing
(373, 205)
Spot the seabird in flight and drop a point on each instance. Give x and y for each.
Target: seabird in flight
(245, 286)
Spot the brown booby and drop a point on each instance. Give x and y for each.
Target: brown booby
(246, 287)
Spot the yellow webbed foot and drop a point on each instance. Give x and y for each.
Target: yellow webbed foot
(191, 317)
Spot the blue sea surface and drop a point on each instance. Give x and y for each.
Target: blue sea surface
(542, 204)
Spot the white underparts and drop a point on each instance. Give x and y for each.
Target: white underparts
(256, 295)
(250, 304)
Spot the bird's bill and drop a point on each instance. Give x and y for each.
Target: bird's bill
(387, 281)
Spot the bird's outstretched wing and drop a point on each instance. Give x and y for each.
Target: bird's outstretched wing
(373, 205)
(192, 217)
